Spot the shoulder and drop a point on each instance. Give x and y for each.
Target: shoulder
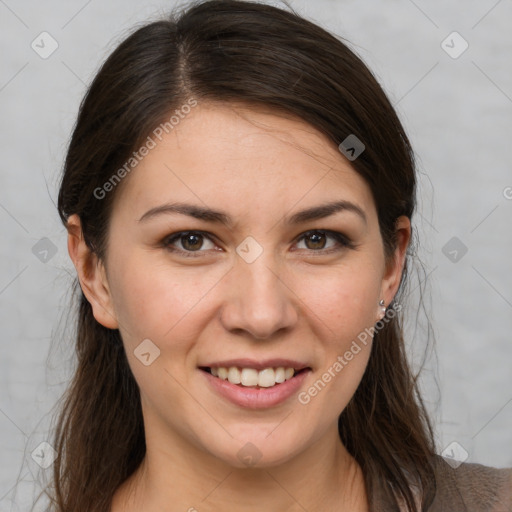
(471, 487)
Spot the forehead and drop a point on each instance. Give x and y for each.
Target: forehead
(243, 156)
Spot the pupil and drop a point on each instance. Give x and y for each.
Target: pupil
(317, 239)
(190, 238)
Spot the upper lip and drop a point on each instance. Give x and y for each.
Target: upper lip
(257, 365)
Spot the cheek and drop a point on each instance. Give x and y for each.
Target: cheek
(142, 302)
(156, 301)
(343, 307)
(344, 299)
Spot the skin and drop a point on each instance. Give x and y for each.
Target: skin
(295, 300)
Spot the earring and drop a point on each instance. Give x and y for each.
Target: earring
(383, 309)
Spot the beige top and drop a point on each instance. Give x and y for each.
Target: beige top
(467, 488)
(473, 488)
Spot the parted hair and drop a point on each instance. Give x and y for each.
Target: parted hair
(260, 55)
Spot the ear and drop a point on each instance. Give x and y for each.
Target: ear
(394, 268)
(91, 274)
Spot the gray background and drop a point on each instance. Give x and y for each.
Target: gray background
(457, 112)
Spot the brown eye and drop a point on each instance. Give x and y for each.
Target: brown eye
(191, 242)
(315, 241)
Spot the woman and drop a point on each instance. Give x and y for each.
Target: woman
(238, 194)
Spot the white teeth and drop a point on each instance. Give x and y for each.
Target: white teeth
(234, 375)
(288, 373)
(248, 377)
(280, 375)
(251, 377)
(267, 378)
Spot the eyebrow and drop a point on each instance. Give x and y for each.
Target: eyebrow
(209, 215)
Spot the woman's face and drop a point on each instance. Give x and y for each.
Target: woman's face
(263, 284)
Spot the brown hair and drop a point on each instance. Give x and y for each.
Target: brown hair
(233, 51)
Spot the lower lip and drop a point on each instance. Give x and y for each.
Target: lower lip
(257, 398)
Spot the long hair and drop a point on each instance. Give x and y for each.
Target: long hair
(233, 51)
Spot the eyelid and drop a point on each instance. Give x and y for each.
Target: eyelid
(170, 239)
(343, 241)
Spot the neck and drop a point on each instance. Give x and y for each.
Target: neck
(325, 477)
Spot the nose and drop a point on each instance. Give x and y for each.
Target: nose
(258, 301)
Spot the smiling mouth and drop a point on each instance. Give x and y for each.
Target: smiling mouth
(252, 378)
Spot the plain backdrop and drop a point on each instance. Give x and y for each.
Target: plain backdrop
(453, 92)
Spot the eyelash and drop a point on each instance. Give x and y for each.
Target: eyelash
(342, 240)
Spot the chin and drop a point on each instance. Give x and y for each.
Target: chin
(255, 448)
